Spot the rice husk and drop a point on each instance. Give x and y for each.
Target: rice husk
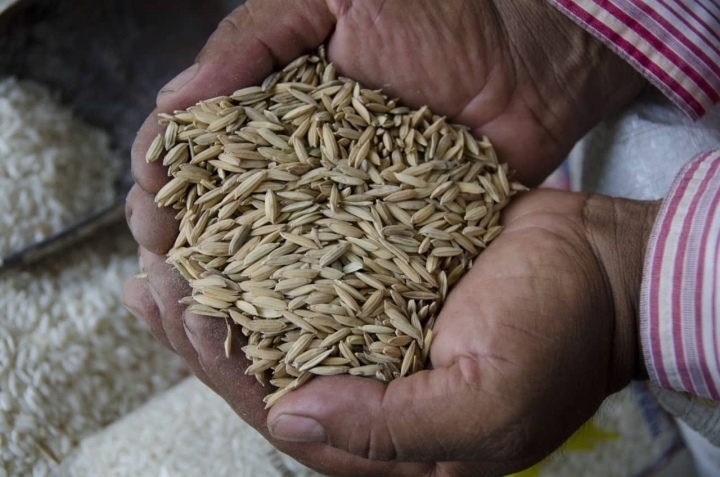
(326, 220)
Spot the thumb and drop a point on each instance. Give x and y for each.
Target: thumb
(432, 416)
(246, 47)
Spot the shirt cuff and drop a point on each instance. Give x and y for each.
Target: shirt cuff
(679, 302)
(674, 44)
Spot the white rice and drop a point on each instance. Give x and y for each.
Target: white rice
(72, 359)
(186, 431)
(53, 168)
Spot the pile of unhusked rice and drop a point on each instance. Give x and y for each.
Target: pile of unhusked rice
(54, 168)
(327, 220)
(72, 359)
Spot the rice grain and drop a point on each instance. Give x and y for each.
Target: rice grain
(327, 221)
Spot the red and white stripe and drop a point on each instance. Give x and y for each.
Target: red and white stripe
(674, 43)
(680, 301)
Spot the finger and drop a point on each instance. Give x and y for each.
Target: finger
(245, 394)
(430, 416)
(150, 176)
(154, 228)
(167, 287)
(530, 169)
(139, 301)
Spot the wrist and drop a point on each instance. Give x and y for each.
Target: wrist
(619, 230)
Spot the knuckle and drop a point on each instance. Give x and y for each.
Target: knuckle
(376, 440)
(233, 23)
(372, 447)
(229, 24)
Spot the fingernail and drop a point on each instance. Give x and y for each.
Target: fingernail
(292, 428)
(190, 324)
(178, 82)
(136, 312)
(157, 298)
(128, 214)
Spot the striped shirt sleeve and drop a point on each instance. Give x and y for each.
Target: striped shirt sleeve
(680, 296)
(675, 44)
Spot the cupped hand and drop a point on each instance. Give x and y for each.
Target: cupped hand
(530, 342)
(516, 71)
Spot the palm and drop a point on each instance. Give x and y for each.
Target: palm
(532, 303)
(525, 310)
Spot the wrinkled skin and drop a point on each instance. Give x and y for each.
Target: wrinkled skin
(542, 328)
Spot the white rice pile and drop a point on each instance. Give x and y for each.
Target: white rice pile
(186, 431)
(72, 359)
(189, 430)
(53, 168)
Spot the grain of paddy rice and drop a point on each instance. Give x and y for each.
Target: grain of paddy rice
(326, 221)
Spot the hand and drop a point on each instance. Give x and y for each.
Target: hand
(533, 98)
(517, 71)
(530, 342)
